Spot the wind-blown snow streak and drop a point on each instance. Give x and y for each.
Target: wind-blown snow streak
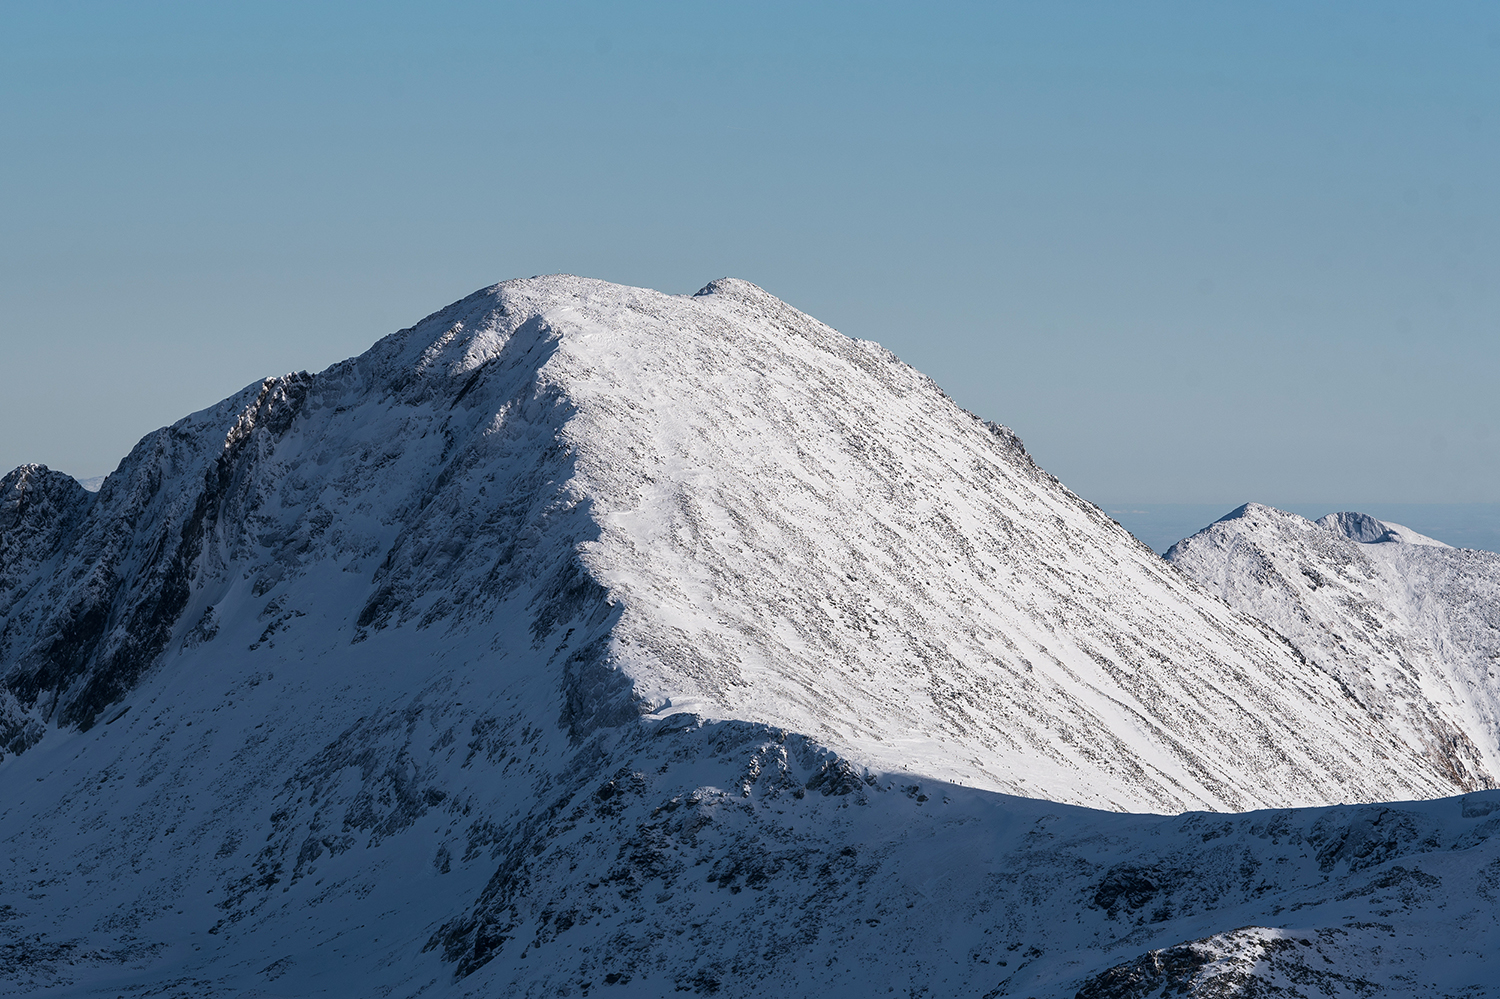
(577, 629)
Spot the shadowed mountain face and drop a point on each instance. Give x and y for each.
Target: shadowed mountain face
(584, 636)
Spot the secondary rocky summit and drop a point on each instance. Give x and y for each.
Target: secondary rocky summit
(585, 637)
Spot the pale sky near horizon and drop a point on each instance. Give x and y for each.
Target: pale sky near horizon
(1192, 253)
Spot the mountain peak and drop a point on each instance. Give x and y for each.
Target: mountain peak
(1253, 510)
(731, 287)
(1356, 595)
(577, 609)
(735, 511)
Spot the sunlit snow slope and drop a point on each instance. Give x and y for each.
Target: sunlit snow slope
(585, 636)
(1408, 624)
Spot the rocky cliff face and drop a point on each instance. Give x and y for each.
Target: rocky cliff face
(582, 636)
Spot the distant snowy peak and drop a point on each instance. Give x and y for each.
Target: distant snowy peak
(730, 287)
(1408, 624)
(1359, 527)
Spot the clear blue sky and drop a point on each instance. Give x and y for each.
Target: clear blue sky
(1193, 252)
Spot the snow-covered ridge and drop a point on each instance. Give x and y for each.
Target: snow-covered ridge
(1409, 625)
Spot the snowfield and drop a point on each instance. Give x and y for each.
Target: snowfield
(584, 639)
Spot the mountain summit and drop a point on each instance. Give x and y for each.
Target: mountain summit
(574, 597)
(708, 505)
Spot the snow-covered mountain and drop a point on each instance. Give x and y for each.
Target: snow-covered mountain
(582, 636)
(740, 513)
(1409, 625)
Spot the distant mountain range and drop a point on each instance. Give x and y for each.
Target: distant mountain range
(584, 639)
